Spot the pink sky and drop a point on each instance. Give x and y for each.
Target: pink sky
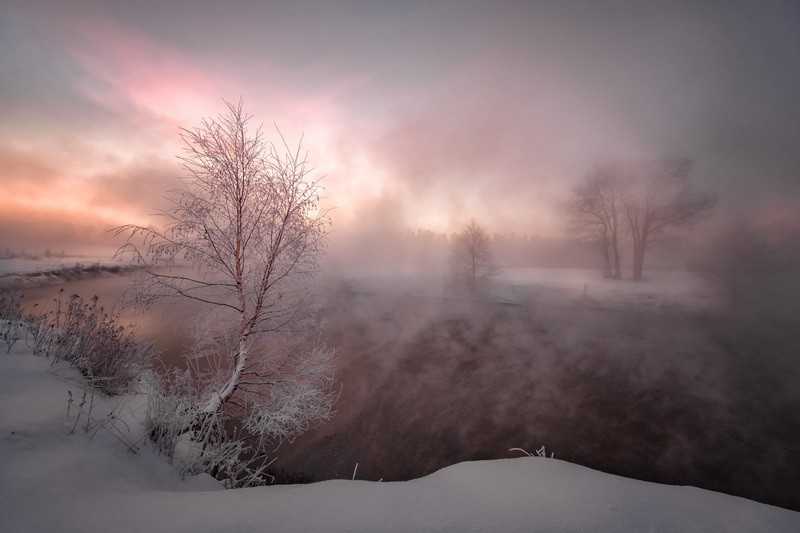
(420, 114)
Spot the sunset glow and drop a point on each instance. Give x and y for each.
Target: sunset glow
(421, 116)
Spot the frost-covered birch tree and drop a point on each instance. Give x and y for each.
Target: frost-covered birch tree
(242, 240)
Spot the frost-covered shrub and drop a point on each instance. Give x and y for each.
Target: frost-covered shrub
(11, 317)
(236, 444)
(84, 334)
(197, 444)
(172, 407)
(541, 452)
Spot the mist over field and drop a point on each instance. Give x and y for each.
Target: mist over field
(658, 380)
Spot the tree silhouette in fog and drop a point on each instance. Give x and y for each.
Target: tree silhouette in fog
(744, 265)
(471, 259)
(645, 197)
(595, 213)
(659, 195)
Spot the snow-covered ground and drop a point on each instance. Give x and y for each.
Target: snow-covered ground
(29, 266)
(552, 286)
(31, 273)
(658, 289)
(530, 286)
(55, 480)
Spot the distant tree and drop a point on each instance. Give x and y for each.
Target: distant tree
(248, 228)
(471, 259)
(743, 265)
(658, 195)
(595, 213)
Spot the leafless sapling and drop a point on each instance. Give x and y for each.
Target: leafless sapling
(471, 259)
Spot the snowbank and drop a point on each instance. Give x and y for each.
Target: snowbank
(30, 266)
(20, 274)
(53, 480)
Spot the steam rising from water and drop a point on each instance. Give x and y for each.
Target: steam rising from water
(649, 380)
(667, 395)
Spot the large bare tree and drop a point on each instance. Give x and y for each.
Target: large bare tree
(242, 240)
(659, 195)
(595, 212)
(471, 259)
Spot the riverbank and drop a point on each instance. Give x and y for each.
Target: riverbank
(665, 392)
(79, 271)
(107, 478)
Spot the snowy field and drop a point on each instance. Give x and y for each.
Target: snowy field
(550, 286)
(30, 266)
(56, 480)
(31, 273)
(658, 289)
(528, 286)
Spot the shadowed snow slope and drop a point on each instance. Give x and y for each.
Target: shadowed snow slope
(56, 481)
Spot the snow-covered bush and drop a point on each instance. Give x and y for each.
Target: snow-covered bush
(541, 452)
(277, 400)
(84, 334)
(206, 447)
(10, 317)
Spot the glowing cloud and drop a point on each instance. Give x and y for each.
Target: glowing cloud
(131, 72)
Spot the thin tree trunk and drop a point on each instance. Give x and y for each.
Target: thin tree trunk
(637, 265)
(216, 402)
(638, 257)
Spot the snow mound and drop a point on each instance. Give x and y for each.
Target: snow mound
(54, 480)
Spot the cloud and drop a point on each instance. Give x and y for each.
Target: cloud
(35, 228)
(139, 186)
(51, 201)
(446, 111)
(495, 146)
(134, 74)
(25, 174)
